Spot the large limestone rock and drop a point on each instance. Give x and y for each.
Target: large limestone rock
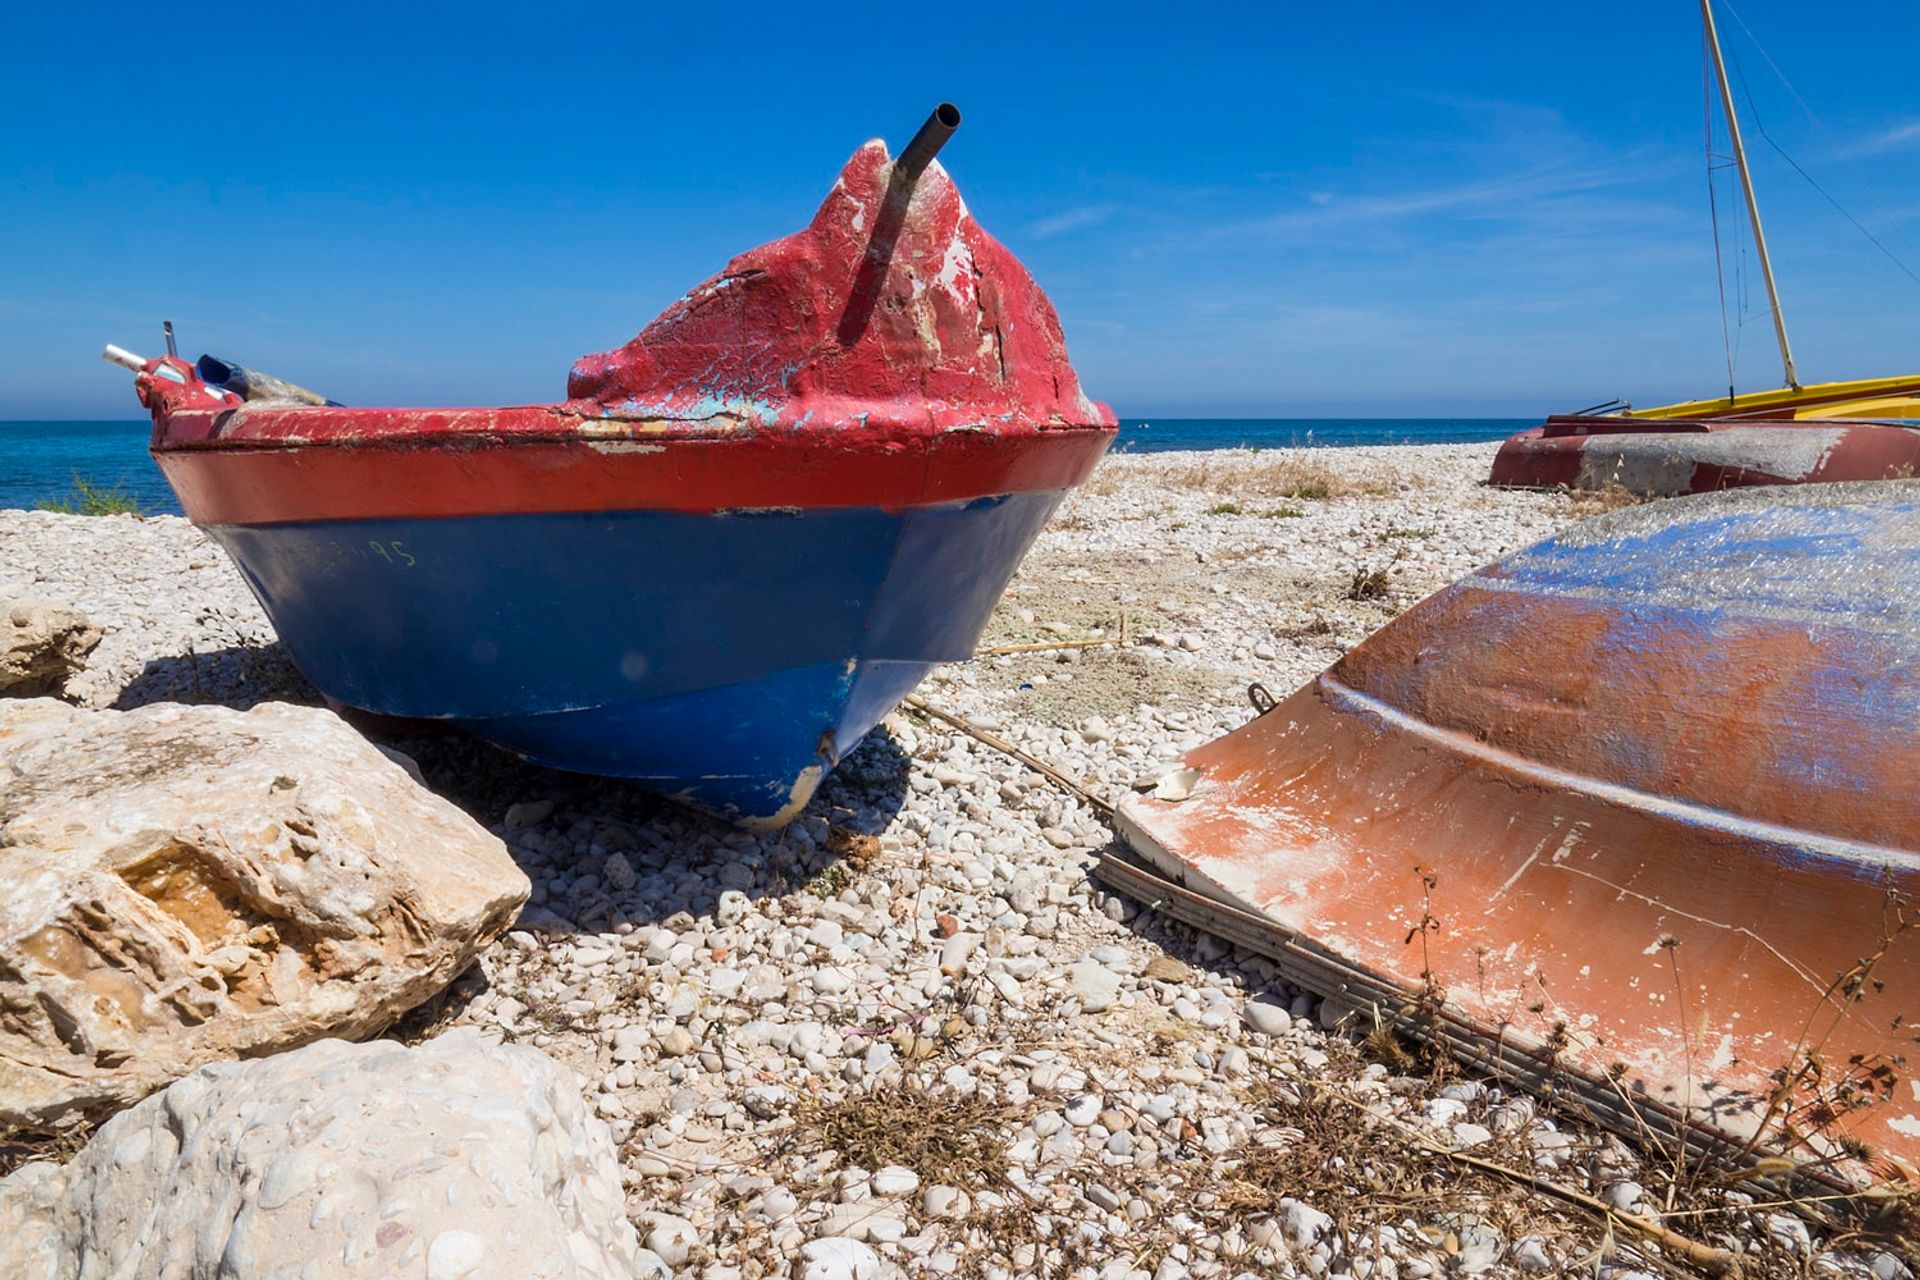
(41, 645)
(459, 1158)
(182, 884)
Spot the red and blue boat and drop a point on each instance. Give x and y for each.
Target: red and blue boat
(737, 544)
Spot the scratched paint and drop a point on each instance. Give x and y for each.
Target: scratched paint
(1697, 720)
(1663, 458)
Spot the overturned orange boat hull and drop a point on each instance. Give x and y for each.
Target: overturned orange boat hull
(1636, 806)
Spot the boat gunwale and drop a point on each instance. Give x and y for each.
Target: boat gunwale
(281, 427)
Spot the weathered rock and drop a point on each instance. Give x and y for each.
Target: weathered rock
(41, 646)
(458, 1158)
(182, 884)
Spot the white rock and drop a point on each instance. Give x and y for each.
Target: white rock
(955, 951)
(1096, 985)
(1531, 1256)
(184, 884)
(894, 1180)
(945, 1202)
(1467, 1134)
(1176, 784)
(670, 1237)
(1303, 1224)
(455, 1255)
(836, 1258)
(1084, 1110)
(459, 1153)
(1624, 1196)
(1264, 1016)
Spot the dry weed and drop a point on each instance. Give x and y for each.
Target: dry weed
(1367, 584)
(955, 1142)
(1281, 475)
(1597, 502)
(855, 847)
(19, 1146)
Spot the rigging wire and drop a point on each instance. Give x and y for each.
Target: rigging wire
(1753, 111)
(1833, 143)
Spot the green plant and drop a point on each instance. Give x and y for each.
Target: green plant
(1224, 509)
(1283, 513)
(90, 499)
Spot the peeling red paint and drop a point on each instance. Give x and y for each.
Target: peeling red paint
(890, 354)
(892, 303)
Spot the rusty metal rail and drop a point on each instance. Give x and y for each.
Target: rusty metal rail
(1504, 1055)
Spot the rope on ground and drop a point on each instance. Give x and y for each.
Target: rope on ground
(1033, 762)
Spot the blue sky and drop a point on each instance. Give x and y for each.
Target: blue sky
(1280, 209)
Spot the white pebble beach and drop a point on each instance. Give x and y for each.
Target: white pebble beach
(910, 1034)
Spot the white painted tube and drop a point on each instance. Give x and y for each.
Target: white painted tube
(124, 358)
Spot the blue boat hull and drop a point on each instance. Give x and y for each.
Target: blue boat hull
(728, 659)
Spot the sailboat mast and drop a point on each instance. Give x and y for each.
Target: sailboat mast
(1746, 184)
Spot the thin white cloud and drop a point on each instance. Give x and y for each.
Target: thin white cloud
(1089, 215)
(1900, 137)
(1515, 196)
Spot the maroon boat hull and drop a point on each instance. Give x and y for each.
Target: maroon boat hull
(1662, 459)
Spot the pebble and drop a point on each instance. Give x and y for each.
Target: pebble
(894, 1181)
(455, 1255)
(836, 1258)
(1097, 986)
(929, 918)
(1268, 1018)
(1303, 1224)
(945, 1202)
(670, 1238)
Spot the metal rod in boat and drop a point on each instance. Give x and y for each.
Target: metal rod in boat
(926, 144)
(124, 358)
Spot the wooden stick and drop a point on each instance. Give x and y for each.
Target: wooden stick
(1042, 647)
(1000, 744)
(1719, 1262)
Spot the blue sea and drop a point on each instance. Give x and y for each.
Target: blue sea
(39, 460)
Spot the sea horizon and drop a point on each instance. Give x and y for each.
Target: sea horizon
(41, 458)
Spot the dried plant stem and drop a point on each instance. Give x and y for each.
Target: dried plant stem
(1713, 1261)
(1043, 646)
